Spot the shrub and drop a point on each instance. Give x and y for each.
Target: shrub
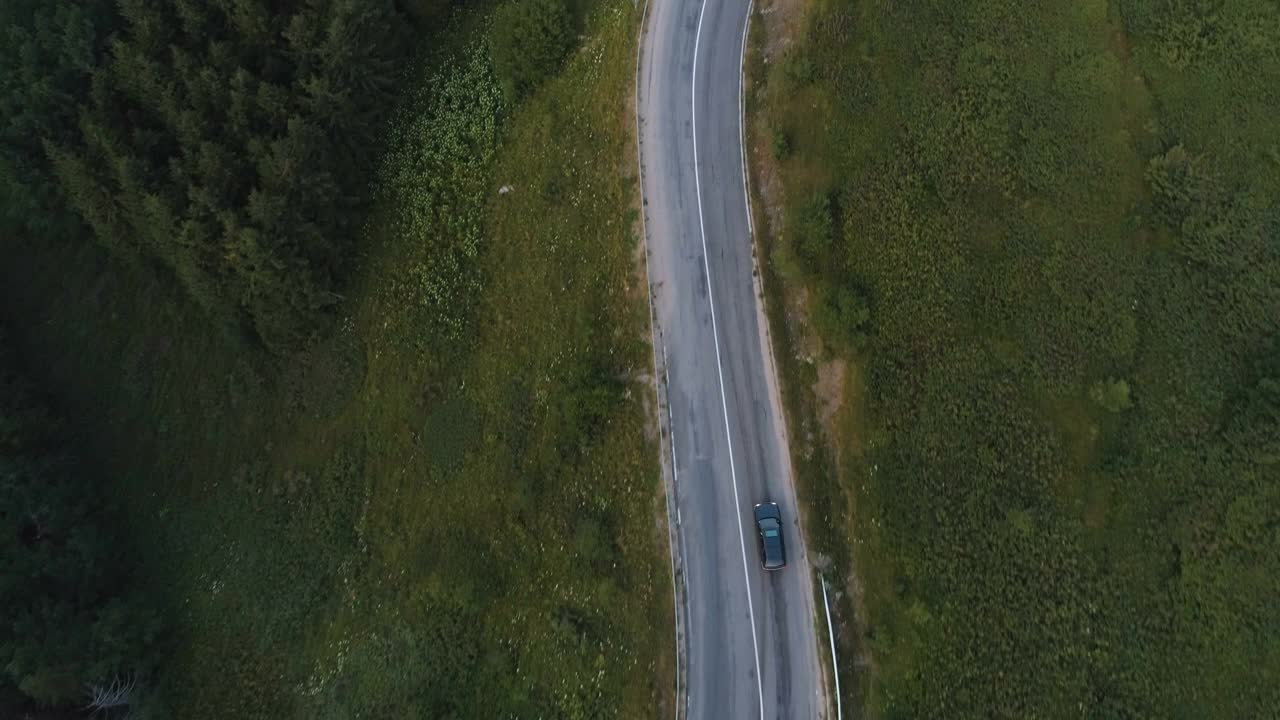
(813, 232)
(799, 69)
(529, 40)
(1112, 394)
(842, 316)
(781, 143)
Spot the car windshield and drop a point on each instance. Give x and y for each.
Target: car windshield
(771, 533)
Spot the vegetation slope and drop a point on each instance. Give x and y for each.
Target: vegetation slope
(1047, 236)
(370, 402)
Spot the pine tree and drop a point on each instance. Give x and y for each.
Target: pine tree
(231, 114)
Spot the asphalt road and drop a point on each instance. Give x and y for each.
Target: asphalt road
(750, 649)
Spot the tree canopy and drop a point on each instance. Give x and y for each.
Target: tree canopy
(228, 142)
(69, 620)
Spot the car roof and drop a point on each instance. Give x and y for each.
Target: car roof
(774, 554)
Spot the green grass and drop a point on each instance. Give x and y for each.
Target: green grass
(1039, 204)
(447, 507)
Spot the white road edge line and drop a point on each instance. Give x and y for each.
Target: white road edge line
(831, 634)
(724, 403)
(742, 121)
(672, 548)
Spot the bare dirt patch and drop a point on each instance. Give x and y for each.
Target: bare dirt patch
(782, 20)
(778, 24)
(829, 392)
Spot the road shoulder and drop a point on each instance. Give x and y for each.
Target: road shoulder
(666, 516)
(811, 393)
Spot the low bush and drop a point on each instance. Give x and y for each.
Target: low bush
(529, 41)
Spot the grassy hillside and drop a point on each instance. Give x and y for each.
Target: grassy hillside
(444, 508)
(1047, 238)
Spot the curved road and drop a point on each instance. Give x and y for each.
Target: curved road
(749, 647)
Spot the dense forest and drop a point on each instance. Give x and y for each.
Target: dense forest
(226, 142)
(1047, 238)
(74, 631)
(330, 392)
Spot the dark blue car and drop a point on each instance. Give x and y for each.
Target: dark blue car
(773, 554)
